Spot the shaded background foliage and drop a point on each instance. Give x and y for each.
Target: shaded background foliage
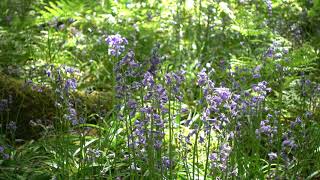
(73, 32)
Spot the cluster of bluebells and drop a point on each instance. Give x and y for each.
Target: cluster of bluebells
(154, 99)
(153, 131)
(297, 122)
(63, 79)
(157, 94)
(5, 104)
(11, 126)
(276, 50)
(126, 75)
(268, 132)
(204, 82)
(116, 44)
(288, 142)
(308, 88)
(219, 161)
(220, 107)
(5, 155)
(147, 132)
(261, 88)
(174, 81)
(217, 100)
(289, 145)
(256, 72)
(259, 93)
(127, 83)
(166, 163)
(93, 154)
(71, 84)
(305, 85)
(266, 128)
(154, 61)
(269, 6)
(73, 117)
(272, 156)
(296, 31)
(238, 77)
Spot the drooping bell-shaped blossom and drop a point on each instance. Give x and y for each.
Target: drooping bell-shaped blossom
(116, 44)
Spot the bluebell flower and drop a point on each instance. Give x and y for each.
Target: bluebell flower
(148, 79)
(12, 126)
(168, 79)
(116, 44)
(278, 56)
(48, 72)
(213, 157)
(289, 143)
(5, 156)
(4, 105)
(201, 139)
(184, 110)
(223, 93)
(224, 151)
(296, 122)
(166, 162)
(256, 71)
(202, 77)
(266, 129)
(270, 52)
(256, 76)
(308, 114)
(132, 104)
(72, 116)
(187, 122)
(272, 156)
(71, 84)
(158, 144)
(128, 59)
(70, 70)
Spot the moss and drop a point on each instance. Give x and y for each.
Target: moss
(30, 106)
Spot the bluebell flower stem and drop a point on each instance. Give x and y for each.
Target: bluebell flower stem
(195, 155)
(207, 154)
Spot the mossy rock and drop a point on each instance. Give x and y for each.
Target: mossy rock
(28, 107)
